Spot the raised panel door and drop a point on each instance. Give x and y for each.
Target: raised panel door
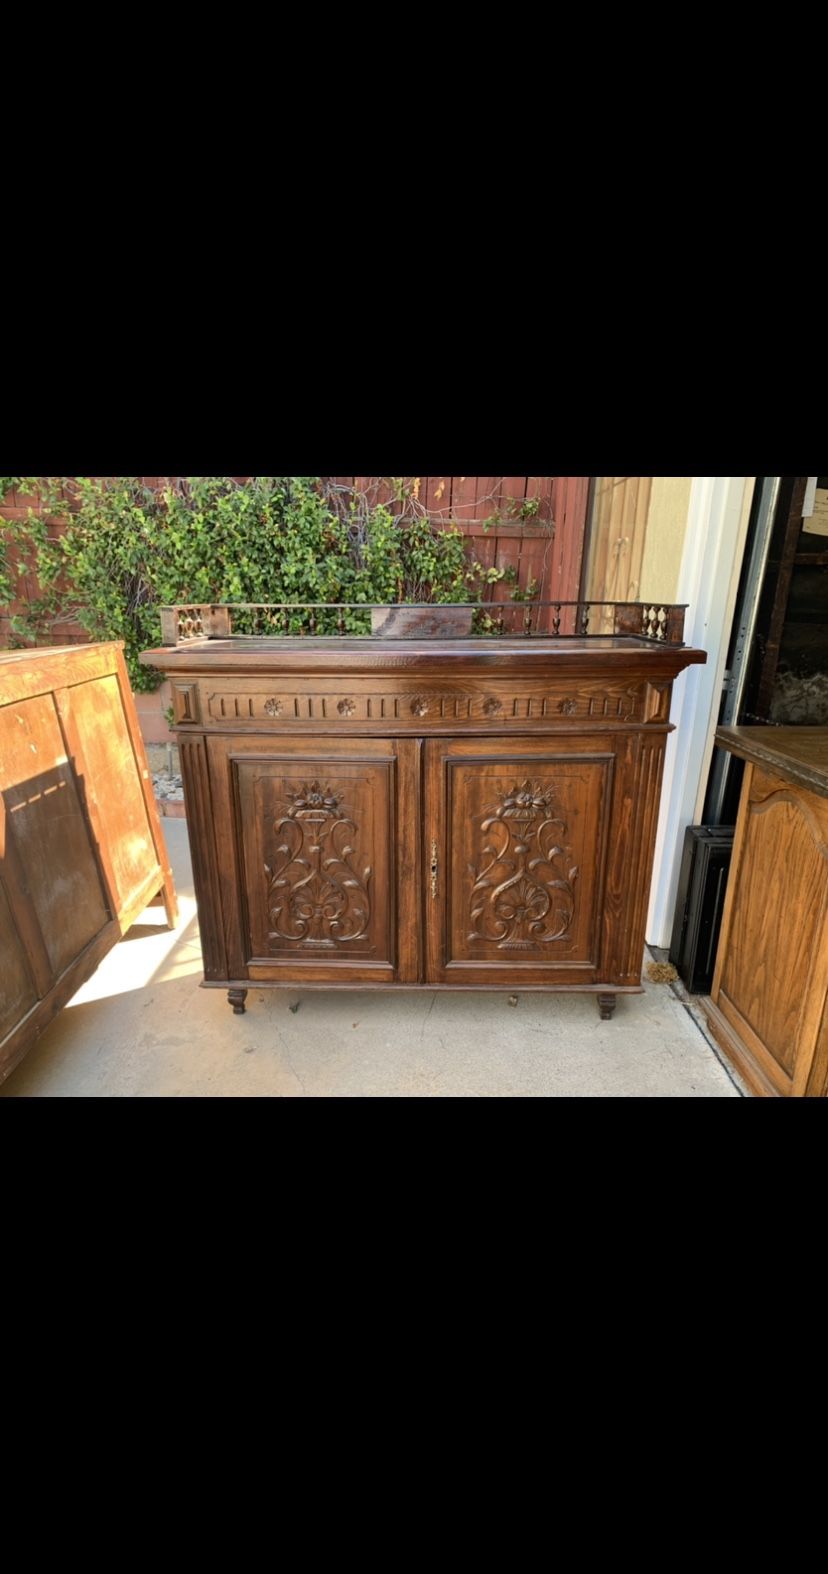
(517, 842)
(771, 982)
(314, 860)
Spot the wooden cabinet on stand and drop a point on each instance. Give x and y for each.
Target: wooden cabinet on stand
(445, 812)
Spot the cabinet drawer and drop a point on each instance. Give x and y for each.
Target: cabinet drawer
(347, 705)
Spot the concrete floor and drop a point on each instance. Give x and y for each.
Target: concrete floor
(141, 1028)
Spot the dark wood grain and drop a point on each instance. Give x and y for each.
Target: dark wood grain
(255, 788)
(203, 826)
(292, 705)
(401, 622)
(799, 753)
(614, 655)
(411, 896)
(317, 846)
(428, 814)
(521, 828)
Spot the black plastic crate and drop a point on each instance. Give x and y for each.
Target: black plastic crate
(705, 863)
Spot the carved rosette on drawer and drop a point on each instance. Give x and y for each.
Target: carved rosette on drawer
(524, 890)
(316, 894)
(414, 709)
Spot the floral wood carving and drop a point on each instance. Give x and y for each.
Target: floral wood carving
(315, 894)
(524, 893)
(346, 707)
(273, 707)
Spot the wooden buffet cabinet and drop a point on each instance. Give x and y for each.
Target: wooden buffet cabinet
(768, 1006)
(445, 813)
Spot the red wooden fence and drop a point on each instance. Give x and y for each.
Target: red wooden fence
(15, 506)
(545, 550)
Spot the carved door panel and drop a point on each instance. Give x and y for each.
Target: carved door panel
(517, 837)
(316, 880)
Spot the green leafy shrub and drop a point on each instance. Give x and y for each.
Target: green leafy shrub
(9, 483)
(127, 550)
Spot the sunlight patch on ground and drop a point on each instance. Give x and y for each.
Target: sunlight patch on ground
(133, 963)
(183, 961)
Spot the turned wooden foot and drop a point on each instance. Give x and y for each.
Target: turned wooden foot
(606, 1006)
(237, 998)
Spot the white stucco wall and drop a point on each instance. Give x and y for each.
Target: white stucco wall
(664, 542)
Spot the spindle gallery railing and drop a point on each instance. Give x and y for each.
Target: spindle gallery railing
(651, 621)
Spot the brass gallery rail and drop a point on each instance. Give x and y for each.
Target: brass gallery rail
(657, 622)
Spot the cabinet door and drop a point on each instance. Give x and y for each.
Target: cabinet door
(312, 889)
(517, 836)
(771, 978)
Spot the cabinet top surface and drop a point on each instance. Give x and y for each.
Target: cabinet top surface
(335, 654)
(798, 754)
(26, 673)
(41, 653)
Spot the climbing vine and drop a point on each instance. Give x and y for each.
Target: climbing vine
(126, 549)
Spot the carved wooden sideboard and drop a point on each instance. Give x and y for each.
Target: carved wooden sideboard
(81, 848)
(473, 813)
(768, 1006)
